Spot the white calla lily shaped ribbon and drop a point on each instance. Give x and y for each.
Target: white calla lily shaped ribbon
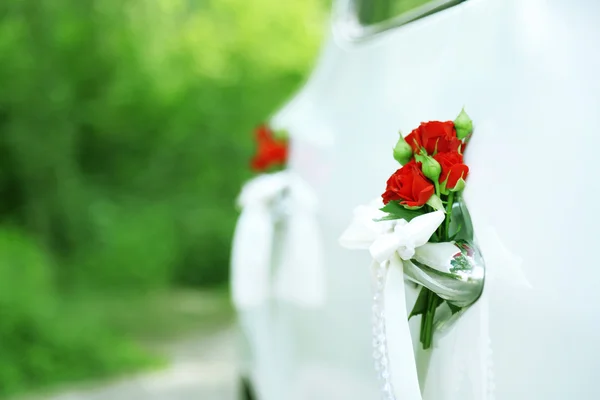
(389, 243)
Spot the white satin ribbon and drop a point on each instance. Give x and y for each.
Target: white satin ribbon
(394, 241)
(252, 240)
(384, 238)
(300, 277)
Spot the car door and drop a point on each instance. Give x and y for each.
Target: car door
(527, 73)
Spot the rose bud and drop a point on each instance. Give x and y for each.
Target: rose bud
(402, 151)
(430, 167)
(463, 125)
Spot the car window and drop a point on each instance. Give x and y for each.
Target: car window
(375, 11)
(357, 20)
(372, 16)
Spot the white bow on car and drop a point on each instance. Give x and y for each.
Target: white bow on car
(389, 242)
(299, 276)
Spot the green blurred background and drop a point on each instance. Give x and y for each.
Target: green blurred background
(125, 135)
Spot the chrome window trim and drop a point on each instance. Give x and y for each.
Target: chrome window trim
(347, 27)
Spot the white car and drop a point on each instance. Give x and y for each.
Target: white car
(528, 73)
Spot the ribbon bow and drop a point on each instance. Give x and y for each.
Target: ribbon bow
(299, 277)
(385, 238)
(389, 242)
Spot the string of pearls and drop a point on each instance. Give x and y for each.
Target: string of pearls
(380, 354)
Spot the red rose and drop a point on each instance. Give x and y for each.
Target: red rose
(453, 168)
(409, 186)
(435, 135)
(270, 152)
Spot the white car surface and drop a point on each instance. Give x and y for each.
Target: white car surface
(528, 72)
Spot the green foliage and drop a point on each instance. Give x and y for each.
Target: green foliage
(420, 306)
(39, 342)
(134, 248)
(113, 111)
(125, 134)
(397, 211)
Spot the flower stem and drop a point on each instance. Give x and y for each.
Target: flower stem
(427, 337)
(433, 300)
(427, 318)
(446, 235)
(423, 327)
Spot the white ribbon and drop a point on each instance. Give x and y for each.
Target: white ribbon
(300, 277)
(384, 238)
(394, 241)
(252, 240)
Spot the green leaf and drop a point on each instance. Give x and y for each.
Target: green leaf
(398, 211)
(435, 202)
(439, 301)
(420, 306)
(392, 207)
(455, 309)
(453, 237)
(389, 217)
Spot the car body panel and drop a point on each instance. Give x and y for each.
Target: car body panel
(527, 72)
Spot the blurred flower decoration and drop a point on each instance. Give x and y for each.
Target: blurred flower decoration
(272, 149)
(276, 199)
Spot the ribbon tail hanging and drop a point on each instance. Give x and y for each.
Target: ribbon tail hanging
(251, 257)
(300, 278)
(404, 375)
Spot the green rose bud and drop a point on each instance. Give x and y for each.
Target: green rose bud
(430, 167)
(402, 151)
(463, 125)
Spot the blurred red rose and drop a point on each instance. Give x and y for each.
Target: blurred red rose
(434, 135)
(270, 151)
(409, 186)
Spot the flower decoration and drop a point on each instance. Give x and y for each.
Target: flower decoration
(276, 197)
(434, 136)
(453, 171)
(271, 151)
(409, 186)
(417, 213)
(429, 180)
(415, 228)
(385, 238)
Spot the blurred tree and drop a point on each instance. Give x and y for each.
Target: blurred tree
(39, 342)
(125, 134)
(140, 110)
